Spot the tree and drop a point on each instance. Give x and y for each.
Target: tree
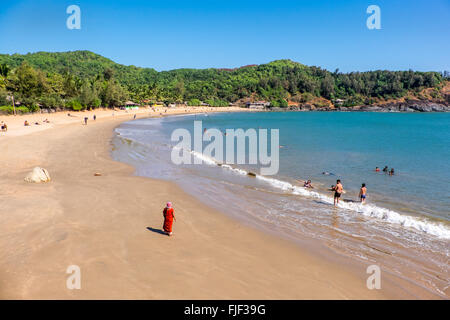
(327, 87)
(108, 74)
(194, 102)
(113, 95)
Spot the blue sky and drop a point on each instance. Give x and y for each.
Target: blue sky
(169, 34)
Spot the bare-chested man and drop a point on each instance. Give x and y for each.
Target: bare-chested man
(363, 193)
(338, 189)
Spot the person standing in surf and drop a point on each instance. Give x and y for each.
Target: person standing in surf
(169, 217)
(363, 193)
(338, 189)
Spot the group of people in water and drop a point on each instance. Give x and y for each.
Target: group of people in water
(386, 170)
(339, 190)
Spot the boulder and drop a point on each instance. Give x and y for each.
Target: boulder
(38, 175)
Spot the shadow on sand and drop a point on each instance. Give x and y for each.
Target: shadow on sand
(157, 231)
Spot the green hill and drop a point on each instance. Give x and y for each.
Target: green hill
(88, 80)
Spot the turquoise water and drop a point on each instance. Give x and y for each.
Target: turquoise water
(351, 145)
(405, 224)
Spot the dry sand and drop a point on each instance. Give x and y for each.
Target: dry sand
(100, 223)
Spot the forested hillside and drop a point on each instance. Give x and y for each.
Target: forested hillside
(82, 79)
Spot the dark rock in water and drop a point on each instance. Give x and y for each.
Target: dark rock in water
(407, 106)
(251, 174)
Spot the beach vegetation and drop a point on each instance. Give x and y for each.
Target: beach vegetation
(10, 110)
(194, 102)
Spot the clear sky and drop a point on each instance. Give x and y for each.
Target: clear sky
(169, 34)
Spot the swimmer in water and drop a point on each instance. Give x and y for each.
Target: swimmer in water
(308, 184)
(377, 169)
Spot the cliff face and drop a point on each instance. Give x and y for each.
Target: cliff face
(407, 106)
(423, 102)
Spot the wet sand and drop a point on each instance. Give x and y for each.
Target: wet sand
(110, 226)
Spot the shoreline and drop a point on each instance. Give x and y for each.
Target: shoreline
(100, 224)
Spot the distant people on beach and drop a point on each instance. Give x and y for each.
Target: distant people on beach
(94, 117)
(338, 190)
(134, 116)
(391, 173)
(169, 217)
(85, 120)
(363, 193)
(26, 123)
(385, 169)
(3, 126)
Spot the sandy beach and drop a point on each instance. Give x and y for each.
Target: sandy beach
(109, 226)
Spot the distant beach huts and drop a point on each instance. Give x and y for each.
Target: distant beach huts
(130, 105)
(257, 105)
(338, 102)
(158, 105)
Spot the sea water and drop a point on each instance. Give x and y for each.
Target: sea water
(405, 223)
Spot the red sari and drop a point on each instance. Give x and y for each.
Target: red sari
(168, 219)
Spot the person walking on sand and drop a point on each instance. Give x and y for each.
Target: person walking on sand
(94, 117)
(169, 217)
(363, 193)
(338, 190)
(85, 120)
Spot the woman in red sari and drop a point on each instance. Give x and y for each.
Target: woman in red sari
(169, 217)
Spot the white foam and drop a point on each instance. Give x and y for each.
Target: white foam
(204, 158)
